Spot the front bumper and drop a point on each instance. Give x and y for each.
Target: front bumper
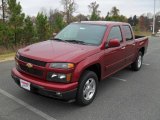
(55, 90)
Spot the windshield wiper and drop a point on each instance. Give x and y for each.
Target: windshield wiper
(73, 41)
(77, 41)
(58, 39)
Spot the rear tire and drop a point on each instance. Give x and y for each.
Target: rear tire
(136, 66)
(87, 88)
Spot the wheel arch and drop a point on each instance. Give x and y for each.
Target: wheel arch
(142, 50)
(95, 67)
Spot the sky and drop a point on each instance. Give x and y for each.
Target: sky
(127, 7)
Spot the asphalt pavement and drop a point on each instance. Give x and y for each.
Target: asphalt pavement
(127, 95)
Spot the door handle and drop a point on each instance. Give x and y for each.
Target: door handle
(133, 44)
(123, 48)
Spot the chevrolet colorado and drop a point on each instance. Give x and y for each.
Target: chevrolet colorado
(71, 65)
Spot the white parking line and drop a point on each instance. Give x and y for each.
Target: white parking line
(119, 79)
(38, 112)
(146, 64)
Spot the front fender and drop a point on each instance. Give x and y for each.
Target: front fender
(81, 66)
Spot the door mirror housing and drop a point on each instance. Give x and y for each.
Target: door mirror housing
(113, 43)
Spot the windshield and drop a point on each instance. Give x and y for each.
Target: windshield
(82, 33)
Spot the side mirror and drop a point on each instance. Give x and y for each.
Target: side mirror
(113, 43)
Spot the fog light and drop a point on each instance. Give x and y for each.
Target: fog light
(57, 77)
(53, 75)
(59, 93)
(61, 76)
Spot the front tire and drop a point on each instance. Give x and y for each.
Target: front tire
(136, 66)
(87, 88)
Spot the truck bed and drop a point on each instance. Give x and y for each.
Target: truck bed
(141, 38)
(141, 41)
(138, 36)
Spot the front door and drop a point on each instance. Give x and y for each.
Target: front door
(114, 58)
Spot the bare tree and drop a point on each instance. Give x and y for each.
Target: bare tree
(95, 13)
(3, 8)
(69, 8)
(81, 17)
(56, 21)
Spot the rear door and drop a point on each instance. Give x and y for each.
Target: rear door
(130, 44)
(114, 58)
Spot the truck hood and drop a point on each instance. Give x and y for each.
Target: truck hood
(54, 51)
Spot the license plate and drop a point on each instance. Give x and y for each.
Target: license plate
(26, 85)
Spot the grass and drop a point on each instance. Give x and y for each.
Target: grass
(142, 33)
(7, 56)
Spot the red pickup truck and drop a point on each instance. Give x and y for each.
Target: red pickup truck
(70, 65)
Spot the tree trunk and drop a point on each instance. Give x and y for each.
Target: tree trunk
(3, 10)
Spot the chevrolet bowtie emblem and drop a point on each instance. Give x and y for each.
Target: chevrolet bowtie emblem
(29, 65)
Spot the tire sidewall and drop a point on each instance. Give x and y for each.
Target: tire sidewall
(134, 65)
(86, 75)
(139, 54)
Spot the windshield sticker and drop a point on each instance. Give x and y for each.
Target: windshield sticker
(82, 28)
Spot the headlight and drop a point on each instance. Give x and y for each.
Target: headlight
(17, 55)
(58, 77)
(62, 65)
(17, 64)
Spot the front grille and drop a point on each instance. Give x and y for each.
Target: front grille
(31, 71)
(35, 62)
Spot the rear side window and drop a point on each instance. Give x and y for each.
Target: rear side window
(115, 33)
(127, 32)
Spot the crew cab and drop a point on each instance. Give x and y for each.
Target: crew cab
(71, 65)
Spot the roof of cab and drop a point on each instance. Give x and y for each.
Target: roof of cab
(103, 22)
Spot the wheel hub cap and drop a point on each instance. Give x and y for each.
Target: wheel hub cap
(139, 61)
(89, 89)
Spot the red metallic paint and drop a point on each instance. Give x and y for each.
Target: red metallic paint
(111, 60)
(113, 43)
(47, 85)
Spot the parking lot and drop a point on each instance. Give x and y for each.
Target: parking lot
(127, 95)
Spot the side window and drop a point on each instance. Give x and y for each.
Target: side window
(127, 32)
(115, 33)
